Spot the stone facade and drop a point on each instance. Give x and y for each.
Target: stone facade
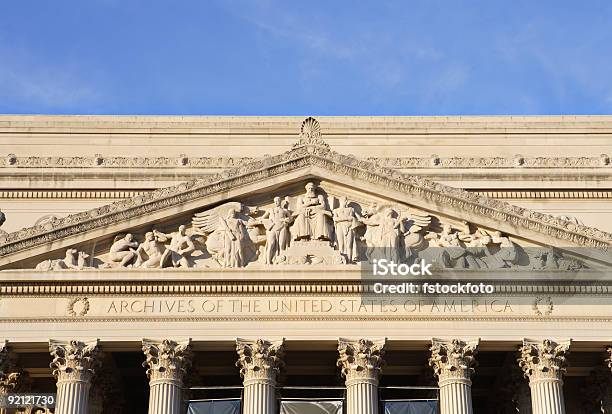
(218, 229)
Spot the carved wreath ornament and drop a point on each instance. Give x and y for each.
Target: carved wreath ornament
(78, 306)
(546, 302)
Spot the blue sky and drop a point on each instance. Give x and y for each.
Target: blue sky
(269, 57)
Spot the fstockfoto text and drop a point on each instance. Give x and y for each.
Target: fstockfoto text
(434, 288)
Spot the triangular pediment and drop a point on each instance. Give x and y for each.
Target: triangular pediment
(257, 182)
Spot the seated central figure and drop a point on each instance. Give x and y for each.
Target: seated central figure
(312, 218)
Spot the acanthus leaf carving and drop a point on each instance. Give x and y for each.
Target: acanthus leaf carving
(361, 360)
(12, 378)
(544, 359)
(167, 360)
(74, 360)
(453, 360)
(260, 359)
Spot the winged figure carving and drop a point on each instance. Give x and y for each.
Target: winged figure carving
(232, 235)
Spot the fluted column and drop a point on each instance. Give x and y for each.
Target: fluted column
(259, 362)
(10, 375)
(544, 363)
(453, 363)
(361, 363)
(606, 402)
(167, 362)
(73, 366)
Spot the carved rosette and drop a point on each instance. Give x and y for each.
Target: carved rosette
(166, 360)
(74, 361)
(454, 360)
(544, 360)
(259, 360)
(361, 360)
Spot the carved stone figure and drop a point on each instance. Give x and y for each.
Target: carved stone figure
(232, 235)
(235, 235)
(181, 246)
(368, 238)
(311, 217)
(412, 231)
(450, 252)
(551, 259)
(478, 255)
(508, 253)
(346, 221)
(276, 222)
(123, 250)
(3, 233)
(151, 250)
(74, 260)
(383, 239)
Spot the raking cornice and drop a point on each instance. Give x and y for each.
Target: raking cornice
(302, 157)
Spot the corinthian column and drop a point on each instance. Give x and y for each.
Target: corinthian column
(259, 362)
(73, 366)
(544, 363)
(606, 402)
(166, 362)
(453, 363)
(361, 362)
(10, 376)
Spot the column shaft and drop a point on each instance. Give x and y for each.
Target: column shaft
(453, 362)
(361, 397)
(259, 397)
(544, 363)
(455, 398)
(260, 362)
(73, 366)
(547, 397)
(167, 362)
(361, 361)
(165, 397)
(72, 397)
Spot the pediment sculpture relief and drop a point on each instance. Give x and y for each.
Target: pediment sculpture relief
(316, 228)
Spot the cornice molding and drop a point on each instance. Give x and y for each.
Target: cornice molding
(302, 157)
(517, 161)
(286, 288)
(116, 194)
(11, 161)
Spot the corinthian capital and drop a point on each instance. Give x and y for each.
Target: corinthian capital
(544, 359)
(453, 359)
(259, 359)
(362, 359)
(73, 360)
(10, 376)
(167, 360)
